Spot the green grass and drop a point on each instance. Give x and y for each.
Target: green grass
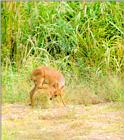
(83, 40)
(16, 88)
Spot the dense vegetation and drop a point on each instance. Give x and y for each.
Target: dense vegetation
(83, 40)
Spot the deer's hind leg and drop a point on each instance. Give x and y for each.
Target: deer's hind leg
(32, 92)
(38, 84)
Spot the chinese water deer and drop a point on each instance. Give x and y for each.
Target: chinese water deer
(47, 78)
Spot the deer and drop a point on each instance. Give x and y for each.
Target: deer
(47, 78)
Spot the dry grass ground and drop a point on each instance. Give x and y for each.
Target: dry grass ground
(73, 122)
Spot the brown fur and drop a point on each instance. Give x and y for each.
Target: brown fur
(47, 78)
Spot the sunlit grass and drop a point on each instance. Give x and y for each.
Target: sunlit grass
(104, 119)
(83, 40)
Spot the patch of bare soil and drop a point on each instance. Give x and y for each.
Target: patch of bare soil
(73, 122)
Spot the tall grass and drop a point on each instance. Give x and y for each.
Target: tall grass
(84, 40)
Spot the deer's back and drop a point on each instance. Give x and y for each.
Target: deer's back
(50, 74)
